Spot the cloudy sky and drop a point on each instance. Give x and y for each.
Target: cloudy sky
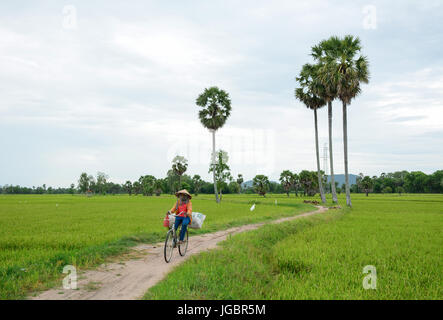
(107, 86)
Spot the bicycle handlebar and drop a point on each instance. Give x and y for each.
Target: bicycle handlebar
(176, 214)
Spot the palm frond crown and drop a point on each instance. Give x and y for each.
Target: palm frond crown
(216, 107)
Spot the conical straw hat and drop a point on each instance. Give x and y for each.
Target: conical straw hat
(184, 191)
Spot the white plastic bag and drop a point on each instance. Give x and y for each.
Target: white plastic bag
(171, 220)
(197, 220)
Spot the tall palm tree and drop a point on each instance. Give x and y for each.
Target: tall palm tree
(286, 180)
(346, 70)
(179, 167)
(327, 91)
(306, 94)
(216, 108)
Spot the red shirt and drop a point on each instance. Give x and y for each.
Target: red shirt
(182, 209)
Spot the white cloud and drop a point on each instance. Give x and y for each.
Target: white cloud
(118, 93)
(414, 101)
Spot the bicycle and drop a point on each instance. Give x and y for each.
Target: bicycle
(171, 242)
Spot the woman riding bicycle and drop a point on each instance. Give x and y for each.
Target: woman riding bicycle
(183, 210)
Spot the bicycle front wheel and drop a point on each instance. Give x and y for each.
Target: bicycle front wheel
(169, 246)
(182, 248)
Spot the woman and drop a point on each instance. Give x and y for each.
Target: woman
(183, 211)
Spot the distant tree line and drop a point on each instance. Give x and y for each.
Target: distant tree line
(10, 189)
(304, 183)
(400, 182)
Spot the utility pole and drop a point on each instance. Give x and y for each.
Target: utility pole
(325, 164)
(325, 159)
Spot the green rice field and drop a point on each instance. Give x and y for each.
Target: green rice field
(323, 256)
(40, 234)
(319, 257)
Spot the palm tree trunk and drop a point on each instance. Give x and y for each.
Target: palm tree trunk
(345, 143)
(320, 184)
(213, 164)
(331, 159)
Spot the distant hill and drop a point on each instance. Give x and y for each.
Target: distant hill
(340, 178)
(247, 184)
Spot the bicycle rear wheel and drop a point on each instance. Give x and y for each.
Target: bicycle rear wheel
(169, 246)
(182, 248)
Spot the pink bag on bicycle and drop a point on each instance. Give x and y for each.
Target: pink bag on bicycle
(166, 221)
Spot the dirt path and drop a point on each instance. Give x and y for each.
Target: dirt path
(131, 278)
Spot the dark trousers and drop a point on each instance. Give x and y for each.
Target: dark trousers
(184, 221)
